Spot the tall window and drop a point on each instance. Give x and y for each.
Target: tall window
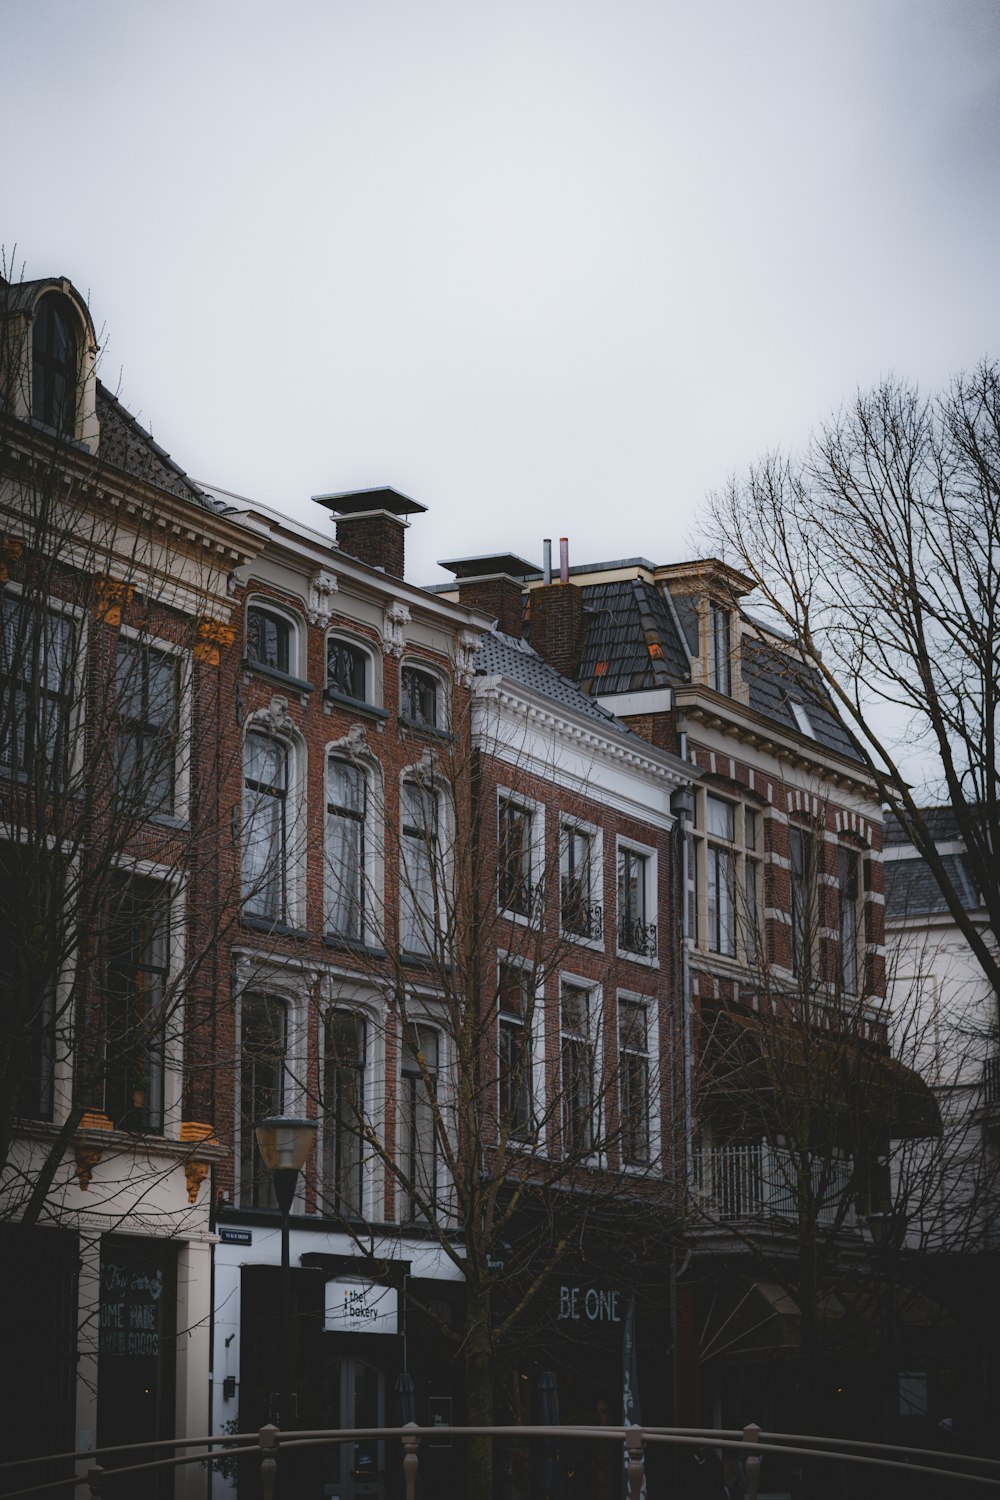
(269, 637)
(419, 1070)
(577, 1056)
(36, 678)
(146, 684)
(346, 805)
(514, 839)
(265, 834)
(633, 1081)
(31, 938)
(343, 1116)
(636, 934)
(135, 978)
(580, 914)
(515, 1052)
(347, 669)
(720, 875)
(803, 895)
(420, 690)
(849, 881)
(421, 895)
(55, 363)
(752, 882)
(263, 1048)
(720, 671)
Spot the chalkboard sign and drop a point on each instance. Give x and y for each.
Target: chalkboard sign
(131, 1310)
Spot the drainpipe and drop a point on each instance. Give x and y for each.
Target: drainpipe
(682, 805)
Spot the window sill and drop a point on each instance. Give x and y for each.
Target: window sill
(646, 960)
(596, 945)
(422, 961)
(352, 945)
(272, 927)
(297, 684)
(356, 705)
(168, 820)
(428, 729)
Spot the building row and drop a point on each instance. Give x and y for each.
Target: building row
(556, 903)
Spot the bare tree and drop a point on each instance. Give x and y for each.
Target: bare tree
(879, 551)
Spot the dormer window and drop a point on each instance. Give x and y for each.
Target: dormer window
(347, 670)
(420, 698)
(802, 719)
(55, 363)
(720, 649)
(268, 639)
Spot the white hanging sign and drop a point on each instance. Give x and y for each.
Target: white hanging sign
(360, 1307)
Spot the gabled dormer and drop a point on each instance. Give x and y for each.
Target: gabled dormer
(705, 597)
(48, 349)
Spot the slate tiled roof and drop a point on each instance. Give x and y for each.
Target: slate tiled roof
(503, 655)
(775, 680)
(125, 445)
(912, 891)
(940, 821)
(632, 642)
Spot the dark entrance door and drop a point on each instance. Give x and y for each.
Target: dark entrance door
(135, 1366)
(355, 1394)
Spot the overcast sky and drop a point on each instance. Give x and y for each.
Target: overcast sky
(551, 266)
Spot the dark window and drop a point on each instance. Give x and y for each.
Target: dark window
(577, 1059)
(268, 639)
(721, 877)
(146, 683)
(347, 669)
(720, 649)
(420, 698)
(515, 1069)
(633, 1081)
(32, 934)
(802, 899)
(55, 363)
(36, 677)
(343, 1117)
(580, 915)
(264, 829)
(635, 933)
(419, 1190)
(346, 793)
(514, 857)
(136, 966)
(421, 884)
(849, 871)
(263, 1044)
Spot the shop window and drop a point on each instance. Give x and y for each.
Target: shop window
(344, 1113)
(135, 982)
(263, 1051)
(147, 690)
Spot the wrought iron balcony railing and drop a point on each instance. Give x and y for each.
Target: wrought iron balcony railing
(637, 937)
(583, 919)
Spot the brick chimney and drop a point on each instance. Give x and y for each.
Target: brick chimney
(493, 584)
(557, 625)
(370, 525)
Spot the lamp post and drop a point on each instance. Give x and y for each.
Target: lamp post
(284, 1142)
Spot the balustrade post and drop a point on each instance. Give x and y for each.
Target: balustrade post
(267, 1438)
(751, 1466)
(95, 1481)
(636, 1445)
(411, 1443)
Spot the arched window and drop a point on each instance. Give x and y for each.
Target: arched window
(421, 698)
(346, 813)
(422, 887)
(55, 363)
(343, 1112)
(270, 639)
(419, 1090)
(265, 827)
(348, 670)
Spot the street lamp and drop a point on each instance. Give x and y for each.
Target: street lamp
(284, 1142)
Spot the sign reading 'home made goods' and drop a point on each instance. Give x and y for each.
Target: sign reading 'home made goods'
(360, 1307)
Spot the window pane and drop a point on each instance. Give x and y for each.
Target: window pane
(420, 691)
(268, 637)
(135, 972)
(577, 1061)
(419, 1136)
(147, 687)
(420, 873)
(262, 1089)
(264, 831)
(720, 818)
(633, 1081)
(344, 1111)
(346, 669)
(345, 848)
(36, 679)
(514, 856)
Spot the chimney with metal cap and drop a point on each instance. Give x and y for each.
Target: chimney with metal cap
(370, 525)
(492, 583)
(557, 624)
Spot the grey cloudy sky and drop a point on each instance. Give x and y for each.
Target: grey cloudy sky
(551, 266)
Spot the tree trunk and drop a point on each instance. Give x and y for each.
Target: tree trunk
(479, 1380)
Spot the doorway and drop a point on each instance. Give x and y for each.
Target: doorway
(355, 1397)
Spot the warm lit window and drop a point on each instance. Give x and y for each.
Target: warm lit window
(514, 852)
(346, 809)
(418, 1103)
(515, 1052)
(147, 688)
(422, 904)
(55, 363)
(578, 1069)
(420, 704)
(636, 932)
(348, 670)
(269, 639)
(581, 914)
(263, 1047)
(36, 677)
(265, 834)
(135, 979)
(633, 1082)
(343, 1112)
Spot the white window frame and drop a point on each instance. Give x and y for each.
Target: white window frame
(348, 1006)
(653, 1112)
(570, 826)
(535, 1024)
(422, 1015)
(78, 676)
(595, 1039)
(535, 811)
(373, 666)
(295, 820)
(441, 856)
(258, 977)
(650, 879)
(372, 915)
(441, 714)
(184, 745)
(742, 855)
(296, 637)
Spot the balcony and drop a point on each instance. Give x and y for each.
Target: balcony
(583, 919)
(637, 937)
(757, 1181)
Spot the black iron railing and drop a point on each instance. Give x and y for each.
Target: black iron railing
(637, 937)
(583, 919)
